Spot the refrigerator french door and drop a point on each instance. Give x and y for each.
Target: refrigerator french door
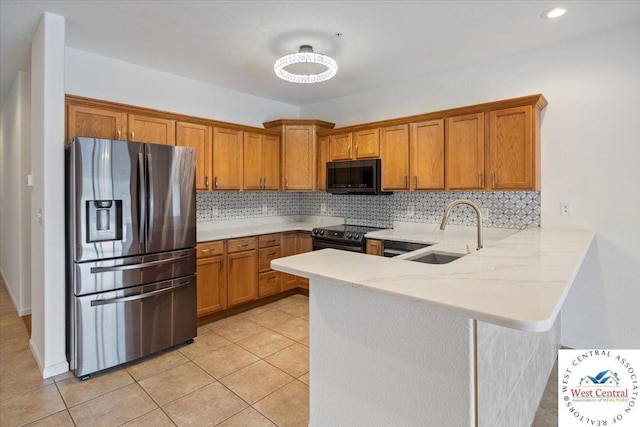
(130, 251)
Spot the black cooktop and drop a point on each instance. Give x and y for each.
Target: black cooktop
(345, 232)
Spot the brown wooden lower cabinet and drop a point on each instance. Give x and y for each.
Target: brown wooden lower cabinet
(375, 247)
(211, 278)
(236, 271)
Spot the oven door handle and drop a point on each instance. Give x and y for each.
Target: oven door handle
(318, 245)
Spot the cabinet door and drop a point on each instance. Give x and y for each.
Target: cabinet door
(464, 148)
(366, 144)
(340, 147)
(270, 162)
(227, 159)
(427, 155)
(323, 158)
(212, 285)
(242, 282)
(95, 123)
(299, 158)
(151, 129)
(303, 244)
(394, 152)
(375, 247)
(199, 137)
(289, 281)
(511, 148)
(252, 168)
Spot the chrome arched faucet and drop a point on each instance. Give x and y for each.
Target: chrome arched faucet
(447, 211)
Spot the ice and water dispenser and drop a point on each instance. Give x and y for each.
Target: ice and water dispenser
(104, 220)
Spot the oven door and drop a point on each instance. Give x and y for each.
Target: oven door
(330, 244)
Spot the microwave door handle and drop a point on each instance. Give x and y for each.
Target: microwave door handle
(137, 297)
(142, 199)
(151, 197)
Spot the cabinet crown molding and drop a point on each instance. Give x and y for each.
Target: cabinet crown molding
(537, 100)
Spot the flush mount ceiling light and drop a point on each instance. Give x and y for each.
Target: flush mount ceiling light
(305, 57)
(554, 12)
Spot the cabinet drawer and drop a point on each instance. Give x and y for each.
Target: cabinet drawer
(243, 244)
(269, 283)
(265, 255)
(207, 249)
(269, 240)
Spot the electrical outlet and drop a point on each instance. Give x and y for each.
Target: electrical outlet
(485, 213)
(411, 211)
(265, 209)
(565, 209)
(323, 207)
(214, 211)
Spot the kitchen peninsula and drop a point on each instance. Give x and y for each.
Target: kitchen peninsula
(469, 343)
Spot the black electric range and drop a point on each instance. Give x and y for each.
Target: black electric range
(348, 237)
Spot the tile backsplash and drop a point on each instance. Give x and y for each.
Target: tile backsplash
(506, 209)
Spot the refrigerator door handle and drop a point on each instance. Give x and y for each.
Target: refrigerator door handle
(137, 297)
(151, 197)
(136, 266)
(142, 197)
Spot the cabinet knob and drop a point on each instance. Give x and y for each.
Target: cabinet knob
(356, 151)
(206, 182)
(493, 179)
(133, 135)
(215, 181)
(118, 133)
(479, 179)
(349, 152)
(406, 182)
(286, 183)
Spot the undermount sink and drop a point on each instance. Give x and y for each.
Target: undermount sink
(436, 258)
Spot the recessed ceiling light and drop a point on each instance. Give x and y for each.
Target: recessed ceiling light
(554, 12)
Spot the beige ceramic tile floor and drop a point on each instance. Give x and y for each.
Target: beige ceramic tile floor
(244, 371)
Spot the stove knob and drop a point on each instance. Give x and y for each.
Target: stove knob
(348, 235)
(356, 236)
(322, 232)
(314, 232)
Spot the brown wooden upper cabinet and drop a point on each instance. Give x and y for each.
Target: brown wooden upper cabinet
(464, 152)
(299, 152)
(151, 129)
(199, 137)
(227, 159)
(362, 144)
(427, 155)
(95, 122)
(261, 162)
(322, 159)
(340, 146)
(394, 153)
(511, 147)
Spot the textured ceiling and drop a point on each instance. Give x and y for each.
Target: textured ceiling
(235, 43)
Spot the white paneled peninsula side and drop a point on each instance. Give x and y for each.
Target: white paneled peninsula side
(469, 343)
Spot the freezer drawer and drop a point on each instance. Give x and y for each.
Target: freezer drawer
(108, 275)
(112, 328)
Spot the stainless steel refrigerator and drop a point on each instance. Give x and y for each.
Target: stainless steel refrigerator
(131, 237)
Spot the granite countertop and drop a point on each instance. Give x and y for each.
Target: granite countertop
(520, 279)
(229, 229)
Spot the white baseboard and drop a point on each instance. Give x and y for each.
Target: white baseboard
(48, 371)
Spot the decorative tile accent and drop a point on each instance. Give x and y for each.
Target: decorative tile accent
(507, 209)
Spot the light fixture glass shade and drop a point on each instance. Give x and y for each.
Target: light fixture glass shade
(305, 55)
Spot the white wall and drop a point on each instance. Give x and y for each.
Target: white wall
(48, 333)
(590, 154)
(99, 77)
(15, 197)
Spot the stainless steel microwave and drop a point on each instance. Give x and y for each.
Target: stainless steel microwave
(355, 177)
